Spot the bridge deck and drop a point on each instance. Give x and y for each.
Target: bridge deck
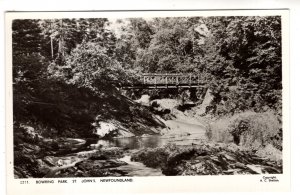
(163, 81)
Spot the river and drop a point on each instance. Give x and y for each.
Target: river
(180, 133)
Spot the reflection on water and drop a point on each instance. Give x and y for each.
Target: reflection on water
(182, 134)
(152, 141)
(133, 142)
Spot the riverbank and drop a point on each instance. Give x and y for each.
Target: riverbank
(209, 146)
(206, 159)
(45, 130)
(184, 147)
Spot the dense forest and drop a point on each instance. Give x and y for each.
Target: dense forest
(238, 57)
(68, 73)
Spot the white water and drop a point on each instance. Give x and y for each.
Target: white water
(137, 168)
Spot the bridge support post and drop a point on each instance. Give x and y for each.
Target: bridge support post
(166, 79)
(193, 94)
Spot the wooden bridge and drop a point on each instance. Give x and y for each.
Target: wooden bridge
(164, 81)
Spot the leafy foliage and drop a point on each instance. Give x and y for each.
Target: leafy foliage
(239, 58)
(246, 68)
(67, 74)
(172, 46)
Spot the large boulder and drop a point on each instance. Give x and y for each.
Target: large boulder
(103, 129)
(144, 100)
(208, 98)
(29, 134)
(109, 129)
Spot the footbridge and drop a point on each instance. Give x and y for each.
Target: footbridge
(164, 81)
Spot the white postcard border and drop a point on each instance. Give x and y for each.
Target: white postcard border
(152, 184)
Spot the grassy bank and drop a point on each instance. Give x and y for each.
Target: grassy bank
(261, 132)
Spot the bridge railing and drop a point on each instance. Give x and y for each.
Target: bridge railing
(155, 81)
(170, 79)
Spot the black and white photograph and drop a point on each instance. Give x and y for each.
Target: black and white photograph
(147, 96)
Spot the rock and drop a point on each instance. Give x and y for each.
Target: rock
(30, 134)
(42, 167)
(49, 160)
(111, 130)
(62, 145)
(60, 163)
(230, 158)
(239, 165)
(99, 168)
(75, 142)
(104, 128)
(206, 103)
(18, 173)
(255, 168)
(145, 135)
(169, 104)
(86, 154)
(162, 108)
(28, 166)
(27, 148)
(96, 146)
(99, 157)
(205, 160)
(144, 100)
(113, 152)
(271, 169)
(151, 157)
(122, 133)
(229, 172)
(93, 168)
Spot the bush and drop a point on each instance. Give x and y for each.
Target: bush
(255, 129)
(249, 129)
(218, 130)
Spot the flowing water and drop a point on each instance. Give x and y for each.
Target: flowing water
(180, 133)
(137, 168)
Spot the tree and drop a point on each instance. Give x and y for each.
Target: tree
(27, 43)
(89, 65)
(250, 50)
(63, 35)
(142, 32)
(173, 45)
(28, 64)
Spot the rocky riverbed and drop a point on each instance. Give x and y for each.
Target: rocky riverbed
(183, 148)
(206, 159)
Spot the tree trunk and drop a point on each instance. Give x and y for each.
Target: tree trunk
(51, 39)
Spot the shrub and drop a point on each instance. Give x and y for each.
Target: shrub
(249, 129)
(255, 130)
(218, 130)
